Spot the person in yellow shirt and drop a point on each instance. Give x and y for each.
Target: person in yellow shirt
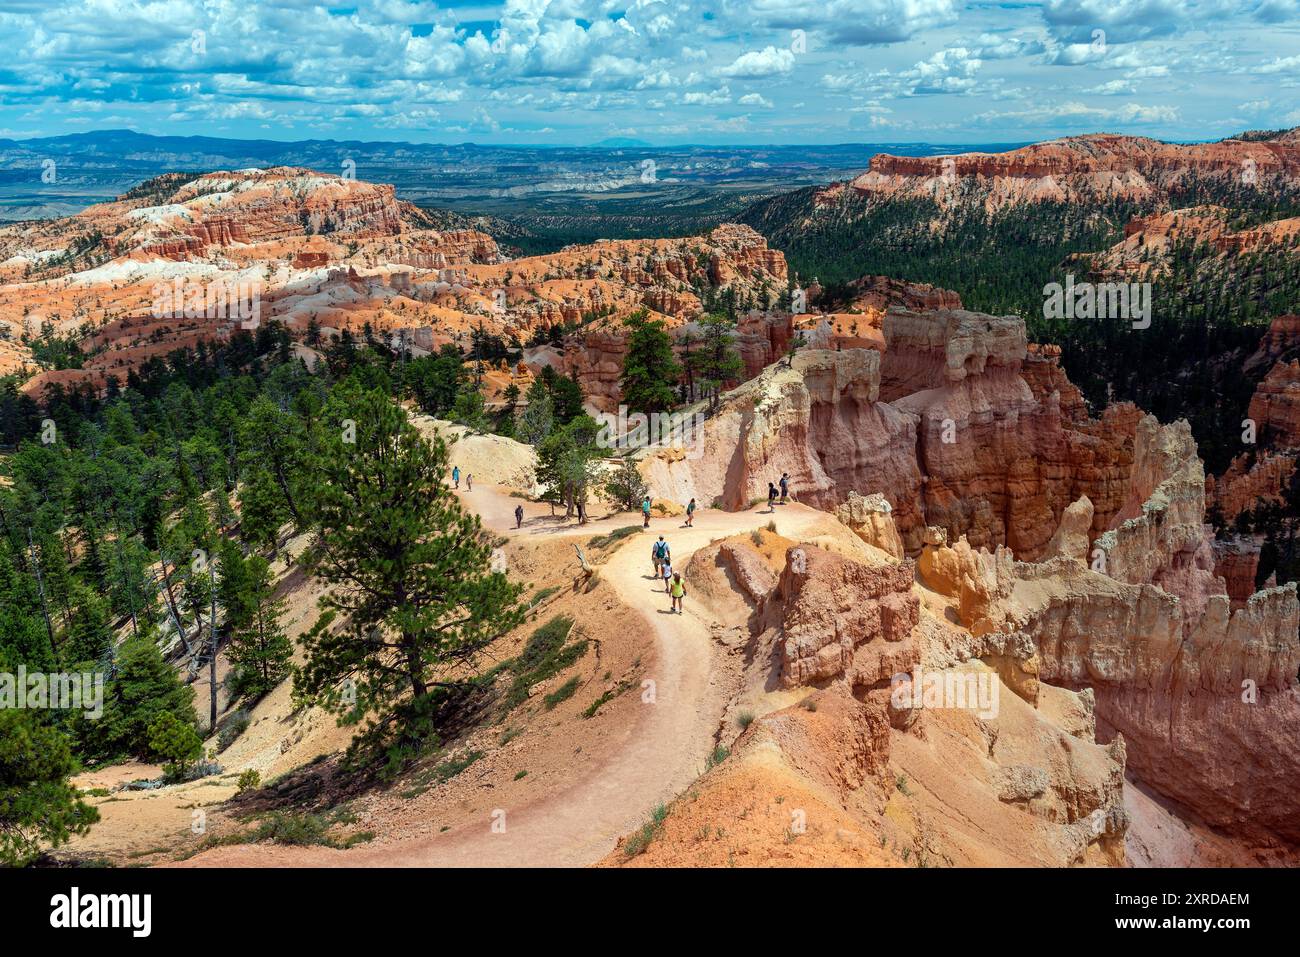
(678, 591)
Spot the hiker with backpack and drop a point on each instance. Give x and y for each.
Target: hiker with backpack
(645, 512)
(660, 555)
(771, 497)
(785, 486)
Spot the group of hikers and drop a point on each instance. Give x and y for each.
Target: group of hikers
(660, 553)
(674, 587)
(772, 490)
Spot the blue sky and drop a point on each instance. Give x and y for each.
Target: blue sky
(666, 72)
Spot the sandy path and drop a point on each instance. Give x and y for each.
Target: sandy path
(582, 823)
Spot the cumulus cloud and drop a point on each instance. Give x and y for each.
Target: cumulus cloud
(1076, 114)
(769, 61)
(948, 71)
(847, 22)
(228, 67)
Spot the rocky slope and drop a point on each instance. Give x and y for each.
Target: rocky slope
(1079, 168)
(169, 263)
(842, 766)
(1112, 585)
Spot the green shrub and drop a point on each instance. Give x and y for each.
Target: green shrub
(718, 755)
(232, 728)
(641, 839)
(544, 656)
(614, 537)
(176, 741)
(563, 693)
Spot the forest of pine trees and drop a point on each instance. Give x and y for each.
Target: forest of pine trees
(135, 524)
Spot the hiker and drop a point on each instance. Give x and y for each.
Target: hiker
(582, 512)
(455, 475)
(668, 575)
(785, 486)
(771, 497)
(677, 592)
(469, 482)
(519, 516)
(645, 512)
(659, 554)
(690, 512)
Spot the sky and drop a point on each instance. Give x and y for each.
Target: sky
(663, 72)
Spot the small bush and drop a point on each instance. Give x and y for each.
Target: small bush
(641, 839)
(563, 693)
(745, 720)
(509, 734)
(249, 779)
(718, 755)
(542, 595)
(284, 827)
(544, 656)
(614, 537)
(449, 769)
(231, 729)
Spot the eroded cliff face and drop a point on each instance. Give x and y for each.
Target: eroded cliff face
(1275, 406)
(342, 254)
(1204, 694)
(816, 418)
(990, 779)
(943, 424)
(1073, 551)
(1076, 168)
(843, 618)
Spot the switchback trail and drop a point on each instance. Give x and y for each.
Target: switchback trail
(669, 745)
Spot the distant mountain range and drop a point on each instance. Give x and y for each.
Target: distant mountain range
(57, 175)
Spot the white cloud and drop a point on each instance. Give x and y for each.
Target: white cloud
(769, 61)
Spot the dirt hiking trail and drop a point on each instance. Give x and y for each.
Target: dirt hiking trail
(670, 745)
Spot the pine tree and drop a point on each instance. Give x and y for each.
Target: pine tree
(176, 741)
(718, 362)
(566, 463)
(259, 648)
(537, 420)
(234, 586)
(413, 594)
(38, 807)
(650, 370)
(625, 486)
(144, 685)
